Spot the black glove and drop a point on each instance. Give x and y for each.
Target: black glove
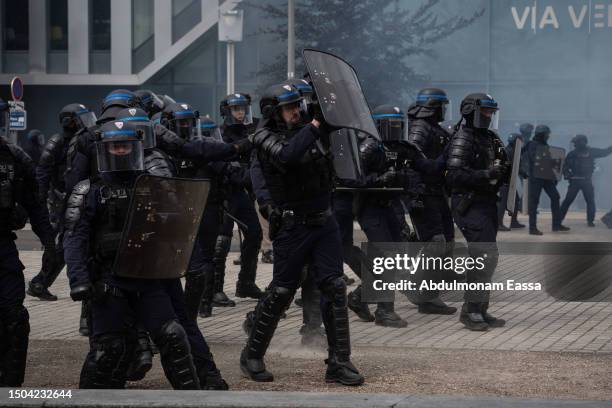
(243, 146)
(387, 178)
(324, 127)
(497, 171)
(81, 292)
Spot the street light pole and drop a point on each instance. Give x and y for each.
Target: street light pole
(291, 39)
(230, 32)
(231, 67)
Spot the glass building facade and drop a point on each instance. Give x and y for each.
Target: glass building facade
(545, 61)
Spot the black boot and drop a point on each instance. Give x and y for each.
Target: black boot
(209, 375)
(436, 306)
(503, 228)
(561, 228)
(267, 315)
(491, 321)
(472, 318)
(335, 317)
(222, 248)
(349, 281)
(361, 309)
(385, 316)
(142, 359)
(267, 257)
(37, 289)
(343, 372)
(248, 290)
(535, 231)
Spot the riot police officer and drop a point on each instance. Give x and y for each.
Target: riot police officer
(526, 131)
(33, 144)
(477, 165)
(578, 170)
(298, 171)
(51, 188)
(537, 184)
(18, 201)
(432, 220)
(94, 223)
(149, 101)
(503, 191)
(194, 160)
(235, 109)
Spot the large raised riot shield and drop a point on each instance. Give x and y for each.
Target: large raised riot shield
(338, 92)
(347, 162)
(161, 228)
(514, 176)
(548, 163)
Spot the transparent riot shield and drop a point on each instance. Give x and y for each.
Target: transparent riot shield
(548, 163)
(514, 176)
(338, 92)
(161, 227)
(347, 162)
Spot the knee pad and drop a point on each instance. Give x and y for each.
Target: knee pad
(279, 298)
(335, 289)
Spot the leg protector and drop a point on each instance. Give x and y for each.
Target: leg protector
(176, 357)
(142, 357)
(17, 330)
(106, 363)
(196, 282)
(335, 318)
(267, 314)
(222, 248)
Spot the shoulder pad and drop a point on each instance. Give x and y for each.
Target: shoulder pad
(418, 132)
(76, 204)
(460, 151)
(158, 164)
(267, 141)
(49, 150)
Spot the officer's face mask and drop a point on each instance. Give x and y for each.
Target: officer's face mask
(486, 118)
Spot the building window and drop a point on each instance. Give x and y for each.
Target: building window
(58, 25)
(15, 25)
(143, 38)
(185, 15)
(100, 25)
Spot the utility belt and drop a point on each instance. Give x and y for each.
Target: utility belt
(467, 198)
(288, 219)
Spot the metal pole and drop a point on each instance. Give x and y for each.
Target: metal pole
(291, 39)
(231, 50)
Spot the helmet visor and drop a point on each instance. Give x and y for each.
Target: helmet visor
(391, 127)
(86, 120)
(447, 111)
(294, 113)
(119, 155)
(183, 127)
(239, 115)
(486, 118)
